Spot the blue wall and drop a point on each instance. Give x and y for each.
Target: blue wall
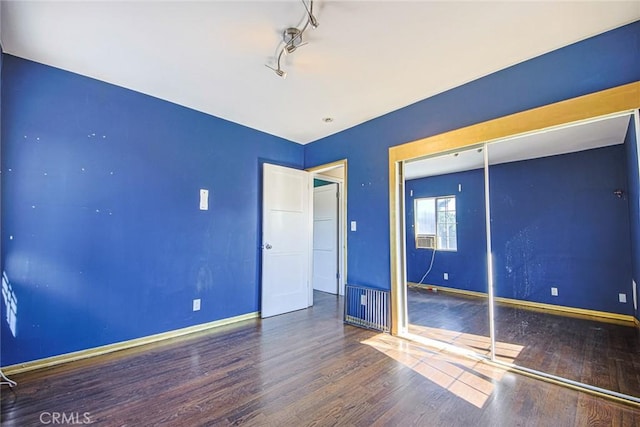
(607, 60)
(633, 194)
(555, 222)
(466, 267)
(102, 237)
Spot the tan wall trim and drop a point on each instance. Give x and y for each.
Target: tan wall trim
(609, 101)
(110, 348)
(537, 305)
(448, 290)
(571, 310)
(398, 299)
(331, 165)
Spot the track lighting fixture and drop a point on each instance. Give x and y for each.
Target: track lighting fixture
(290, 48)
(311, 19)
(279, 71)
(292, 38)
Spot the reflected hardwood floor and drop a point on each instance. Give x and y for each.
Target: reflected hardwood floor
(592, 351)
(299, 369)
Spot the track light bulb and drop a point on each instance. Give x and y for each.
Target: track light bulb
(279, 72)
(290, 48)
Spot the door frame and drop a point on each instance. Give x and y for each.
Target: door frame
(316, 171)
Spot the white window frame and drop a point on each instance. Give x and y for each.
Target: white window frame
(438, 239)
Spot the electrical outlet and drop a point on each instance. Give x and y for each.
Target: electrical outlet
(622, 297)
(363, 300)
(446, 276)
(554, 292)
(196, 304)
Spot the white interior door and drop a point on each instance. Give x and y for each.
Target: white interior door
(325, 238)
(286, 240)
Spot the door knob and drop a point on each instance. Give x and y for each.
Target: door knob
(268, 246)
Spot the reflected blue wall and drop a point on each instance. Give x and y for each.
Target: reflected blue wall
(607, 60)
(555, 222)
(466, 267)
(633, 195)
(101, 229)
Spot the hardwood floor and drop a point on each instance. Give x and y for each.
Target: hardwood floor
(601, 353)
(300, 369)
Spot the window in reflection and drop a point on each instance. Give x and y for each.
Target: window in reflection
(435, 223)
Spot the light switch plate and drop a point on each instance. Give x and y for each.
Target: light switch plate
(204, 199)
(354, 226)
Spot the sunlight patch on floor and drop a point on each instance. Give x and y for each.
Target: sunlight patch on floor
(459, 370)
(507, 352)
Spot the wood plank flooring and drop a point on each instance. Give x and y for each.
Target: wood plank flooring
(601, 353)
(300, 369)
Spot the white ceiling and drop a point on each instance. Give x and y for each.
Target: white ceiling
(366, 58)
(562, 140)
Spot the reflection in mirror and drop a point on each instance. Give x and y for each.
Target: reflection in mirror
(562, 252)
(446, 249)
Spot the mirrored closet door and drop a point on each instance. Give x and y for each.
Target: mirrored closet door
(562, 257)
(546, 284)
(446, 249)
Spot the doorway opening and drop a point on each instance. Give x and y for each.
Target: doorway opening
(329, 228)
(287, 237)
